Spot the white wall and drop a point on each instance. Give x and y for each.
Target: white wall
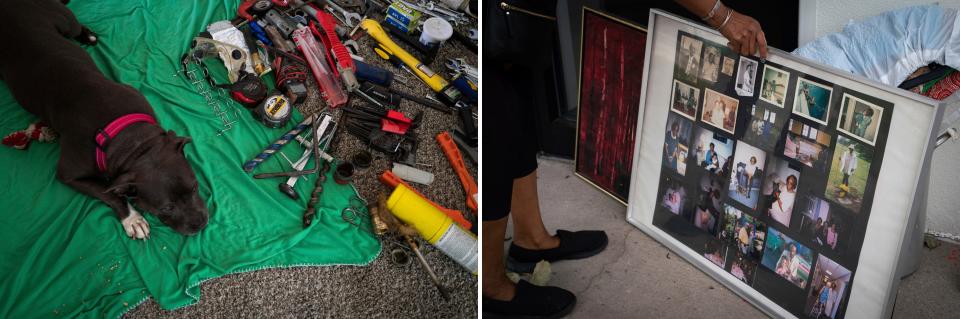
(821, 17)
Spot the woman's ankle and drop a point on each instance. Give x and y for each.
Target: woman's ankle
(537, 243)
(499, 289)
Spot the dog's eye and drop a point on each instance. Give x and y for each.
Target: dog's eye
(166, 209)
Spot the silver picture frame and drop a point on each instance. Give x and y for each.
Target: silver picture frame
(888, 249)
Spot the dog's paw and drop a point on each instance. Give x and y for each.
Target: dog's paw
(135, 226)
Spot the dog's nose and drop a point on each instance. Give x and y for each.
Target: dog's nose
(197, 228)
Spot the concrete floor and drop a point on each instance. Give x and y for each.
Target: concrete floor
(637, 277)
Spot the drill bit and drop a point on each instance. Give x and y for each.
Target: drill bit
(279, 143)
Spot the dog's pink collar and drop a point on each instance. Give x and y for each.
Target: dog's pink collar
(111, 131)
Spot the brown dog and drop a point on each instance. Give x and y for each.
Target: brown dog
(55, 79)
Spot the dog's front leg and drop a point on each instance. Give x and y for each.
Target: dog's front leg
(133, 222)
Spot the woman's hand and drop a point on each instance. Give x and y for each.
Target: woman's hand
(744, 34)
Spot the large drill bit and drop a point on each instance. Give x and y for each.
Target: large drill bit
(277, 145)
(315, 197)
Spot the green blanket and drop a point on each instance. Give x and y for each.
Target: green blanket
(64, 254)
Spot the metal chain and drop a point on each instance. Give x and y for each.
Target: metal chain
(212, 94)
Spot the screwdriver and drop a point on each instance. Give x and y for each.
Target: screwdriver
(389, 57)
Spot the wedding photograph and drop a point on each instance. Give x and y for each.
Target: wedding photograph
(720, 111)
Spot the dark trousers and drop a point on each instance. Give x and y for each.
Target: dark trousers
(509, 141)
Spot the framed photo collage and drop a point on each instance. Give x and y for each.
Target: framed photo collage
(768, 173)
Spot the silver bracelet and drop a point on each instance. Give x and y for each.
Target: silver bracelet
(713, 11)
(725, 20)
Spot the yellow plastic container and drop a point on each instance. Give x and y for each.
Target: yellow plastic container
(438, 229)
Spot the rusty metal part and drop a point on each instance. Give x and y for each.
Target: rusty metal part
(423, 262)
(311, 210)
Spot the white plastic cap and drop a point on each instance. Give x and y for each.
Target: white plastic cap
(435, 30)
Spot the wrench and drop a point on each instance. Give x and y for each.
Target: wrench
(439, 9)
(459, 65)
(453, 19)
(454, 16)
(352, 44)
(351, 19)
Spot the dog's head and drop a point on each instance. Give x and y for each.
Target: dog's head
(162, 182)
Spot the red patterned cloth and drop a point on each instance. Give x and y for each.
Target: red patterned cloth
(943, 88)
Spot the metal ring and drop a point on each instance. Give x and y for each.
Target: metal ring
(354, 220)
(357, 202)
(399, 256)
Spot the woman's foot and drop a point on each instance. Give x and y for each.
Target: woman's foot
(569, 245)
(530, 301)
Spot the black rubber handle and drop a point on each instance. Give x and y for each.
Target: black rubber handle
(466, 118)
(289, 191)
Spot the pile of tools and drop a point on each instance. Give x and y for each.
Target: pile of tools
(291, 40)
(272, 50)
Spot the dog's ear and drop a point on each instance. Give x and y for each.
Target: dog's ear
(181, 142)
(124, 185)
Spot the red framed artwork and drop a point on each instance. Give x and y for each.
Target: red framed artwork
(611, 78)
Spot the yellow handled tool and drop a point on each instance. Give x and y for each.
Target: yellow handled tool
(447, 93)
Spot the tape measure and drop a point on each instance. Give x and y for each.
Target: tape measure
(274, 111)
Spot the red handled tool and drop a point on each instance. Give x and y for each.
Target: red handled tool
(324, 41)
(395, 122)
(390, 179)
(339, 52)
(249, 10)
(450, 149)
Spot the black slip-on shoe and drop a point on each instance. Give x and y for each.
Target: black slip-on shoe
(573, 245)
(531, 302)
